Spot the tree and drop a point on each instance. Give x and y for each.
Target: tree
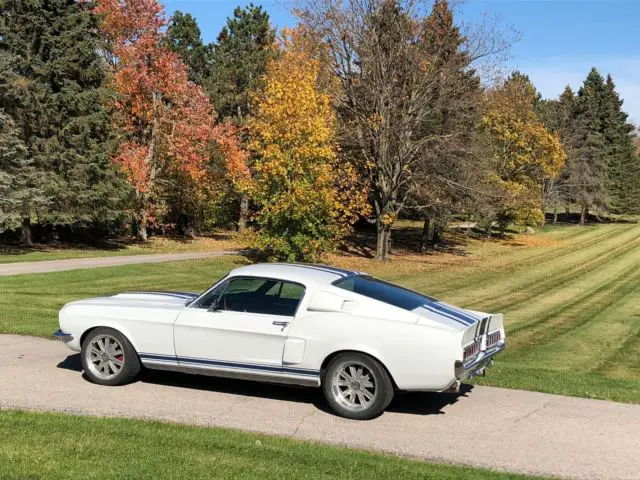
(239, 59)
(448, 177)
(525, 153)
(586, 170)
(167, 122)
(306, 196)
(244, 47)
(53, 88)
(19, 180)
(622, 161)
(559, 116)
(388, 73)
(184, 38)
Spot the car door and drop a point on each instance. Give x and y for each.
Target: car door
(241, 324)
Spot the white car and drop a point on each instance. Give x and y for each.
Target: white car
(357, 337)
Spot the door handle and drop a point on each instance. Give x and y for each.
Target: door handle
(280, 324)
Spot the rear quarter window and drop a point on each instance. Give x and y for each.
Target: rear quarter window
(383, 291)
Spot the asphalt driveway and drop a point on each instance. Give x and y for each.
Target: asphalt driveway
(490, 427)
(97, 262)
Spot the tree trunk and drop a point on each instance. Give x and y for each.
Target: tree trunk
(555, 214)
(189, 231)
(583, 214)
(424, 239)
(437, 234)
(387, 242)
(244, 211)
(142, 234)
(26, 238)
(383, 242)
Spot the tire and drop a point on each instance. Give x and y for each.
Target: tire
(108, 358)
(357, 386)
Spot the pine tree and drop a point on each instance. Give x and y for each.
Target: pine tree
(20, 182)
(239, 59)
(622, 161)
(184, 38)
(586, 170)
(54, 91)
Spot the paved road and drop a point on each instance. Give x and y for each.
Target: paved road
(491, 427)
(96, 262)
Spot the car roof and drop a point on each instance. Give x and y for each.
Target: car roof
(304, 273)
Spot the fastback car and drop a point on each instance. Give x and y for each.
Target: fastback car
(357, 337)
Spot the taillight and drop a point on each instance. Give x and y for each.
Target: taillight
(472, 350)
(493, 339)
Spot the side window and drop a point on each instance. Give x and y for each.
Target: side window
(259, 295)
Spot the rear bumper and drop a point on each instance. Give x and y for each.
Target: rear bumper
(62, 336)
(477, 365)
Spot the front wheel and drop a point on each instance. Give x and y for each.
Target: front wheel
(108, 358)
(357, 386)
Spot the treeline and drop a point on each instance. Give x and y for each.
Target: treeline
(116, 119)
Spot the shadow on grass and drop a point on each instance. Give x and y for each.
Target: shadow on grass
(90, 243)
(415, 403)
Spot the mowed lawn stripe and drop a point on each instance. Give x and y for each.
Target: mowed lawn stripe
(580, 308)
(531, 305)
(497, 274)
(506, 289)
(549, 277)
(594, 333)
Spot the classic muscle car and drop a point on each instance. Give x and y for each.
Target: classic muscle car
(357, 337)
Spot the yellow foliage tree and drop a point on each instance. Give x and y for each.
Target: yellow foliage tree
(307, 195)
(525, 153)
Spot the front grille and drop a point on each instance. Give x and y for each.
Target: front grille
(472, 350)
(493, 339)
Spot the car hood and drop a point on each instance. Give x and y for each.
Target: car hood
(143, 299)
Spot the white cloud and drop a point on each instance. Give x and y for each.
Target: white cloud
(551, 76)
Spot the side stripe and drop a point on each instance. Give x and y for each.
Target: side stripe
(226, 364)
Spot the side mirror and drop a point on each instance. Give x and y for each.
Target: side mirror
(215, 305)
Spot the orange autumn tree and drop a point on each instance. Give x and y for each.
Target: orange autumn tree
(167, 121)
(307, 195)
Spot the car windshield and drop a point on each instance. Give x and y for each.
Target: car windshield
(383, 291)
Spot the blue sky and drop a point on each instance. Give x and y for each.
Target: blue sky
(560, 40)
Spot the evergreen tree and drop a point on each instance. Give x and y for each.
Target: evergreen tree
(586, 170)
(184, 38)
(239, 59)
(20, 183)
(622, 161)
(54, 91)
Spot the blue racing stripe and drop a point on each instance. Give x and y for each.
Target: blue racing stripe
(446, 315)
(469, 319)
(226, 364)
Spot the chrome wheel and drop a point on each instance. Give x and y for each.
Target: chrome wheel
(353, 386)
(104, 357)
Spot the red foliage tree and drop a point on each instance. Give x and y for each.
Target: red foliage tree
(167, 121)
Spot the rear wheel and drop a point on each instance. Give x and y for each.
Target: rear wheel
(357, 386)
(108, 358)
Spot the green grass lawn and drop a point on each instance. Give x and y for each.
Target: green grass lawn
(53, 446)
(570, 295)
